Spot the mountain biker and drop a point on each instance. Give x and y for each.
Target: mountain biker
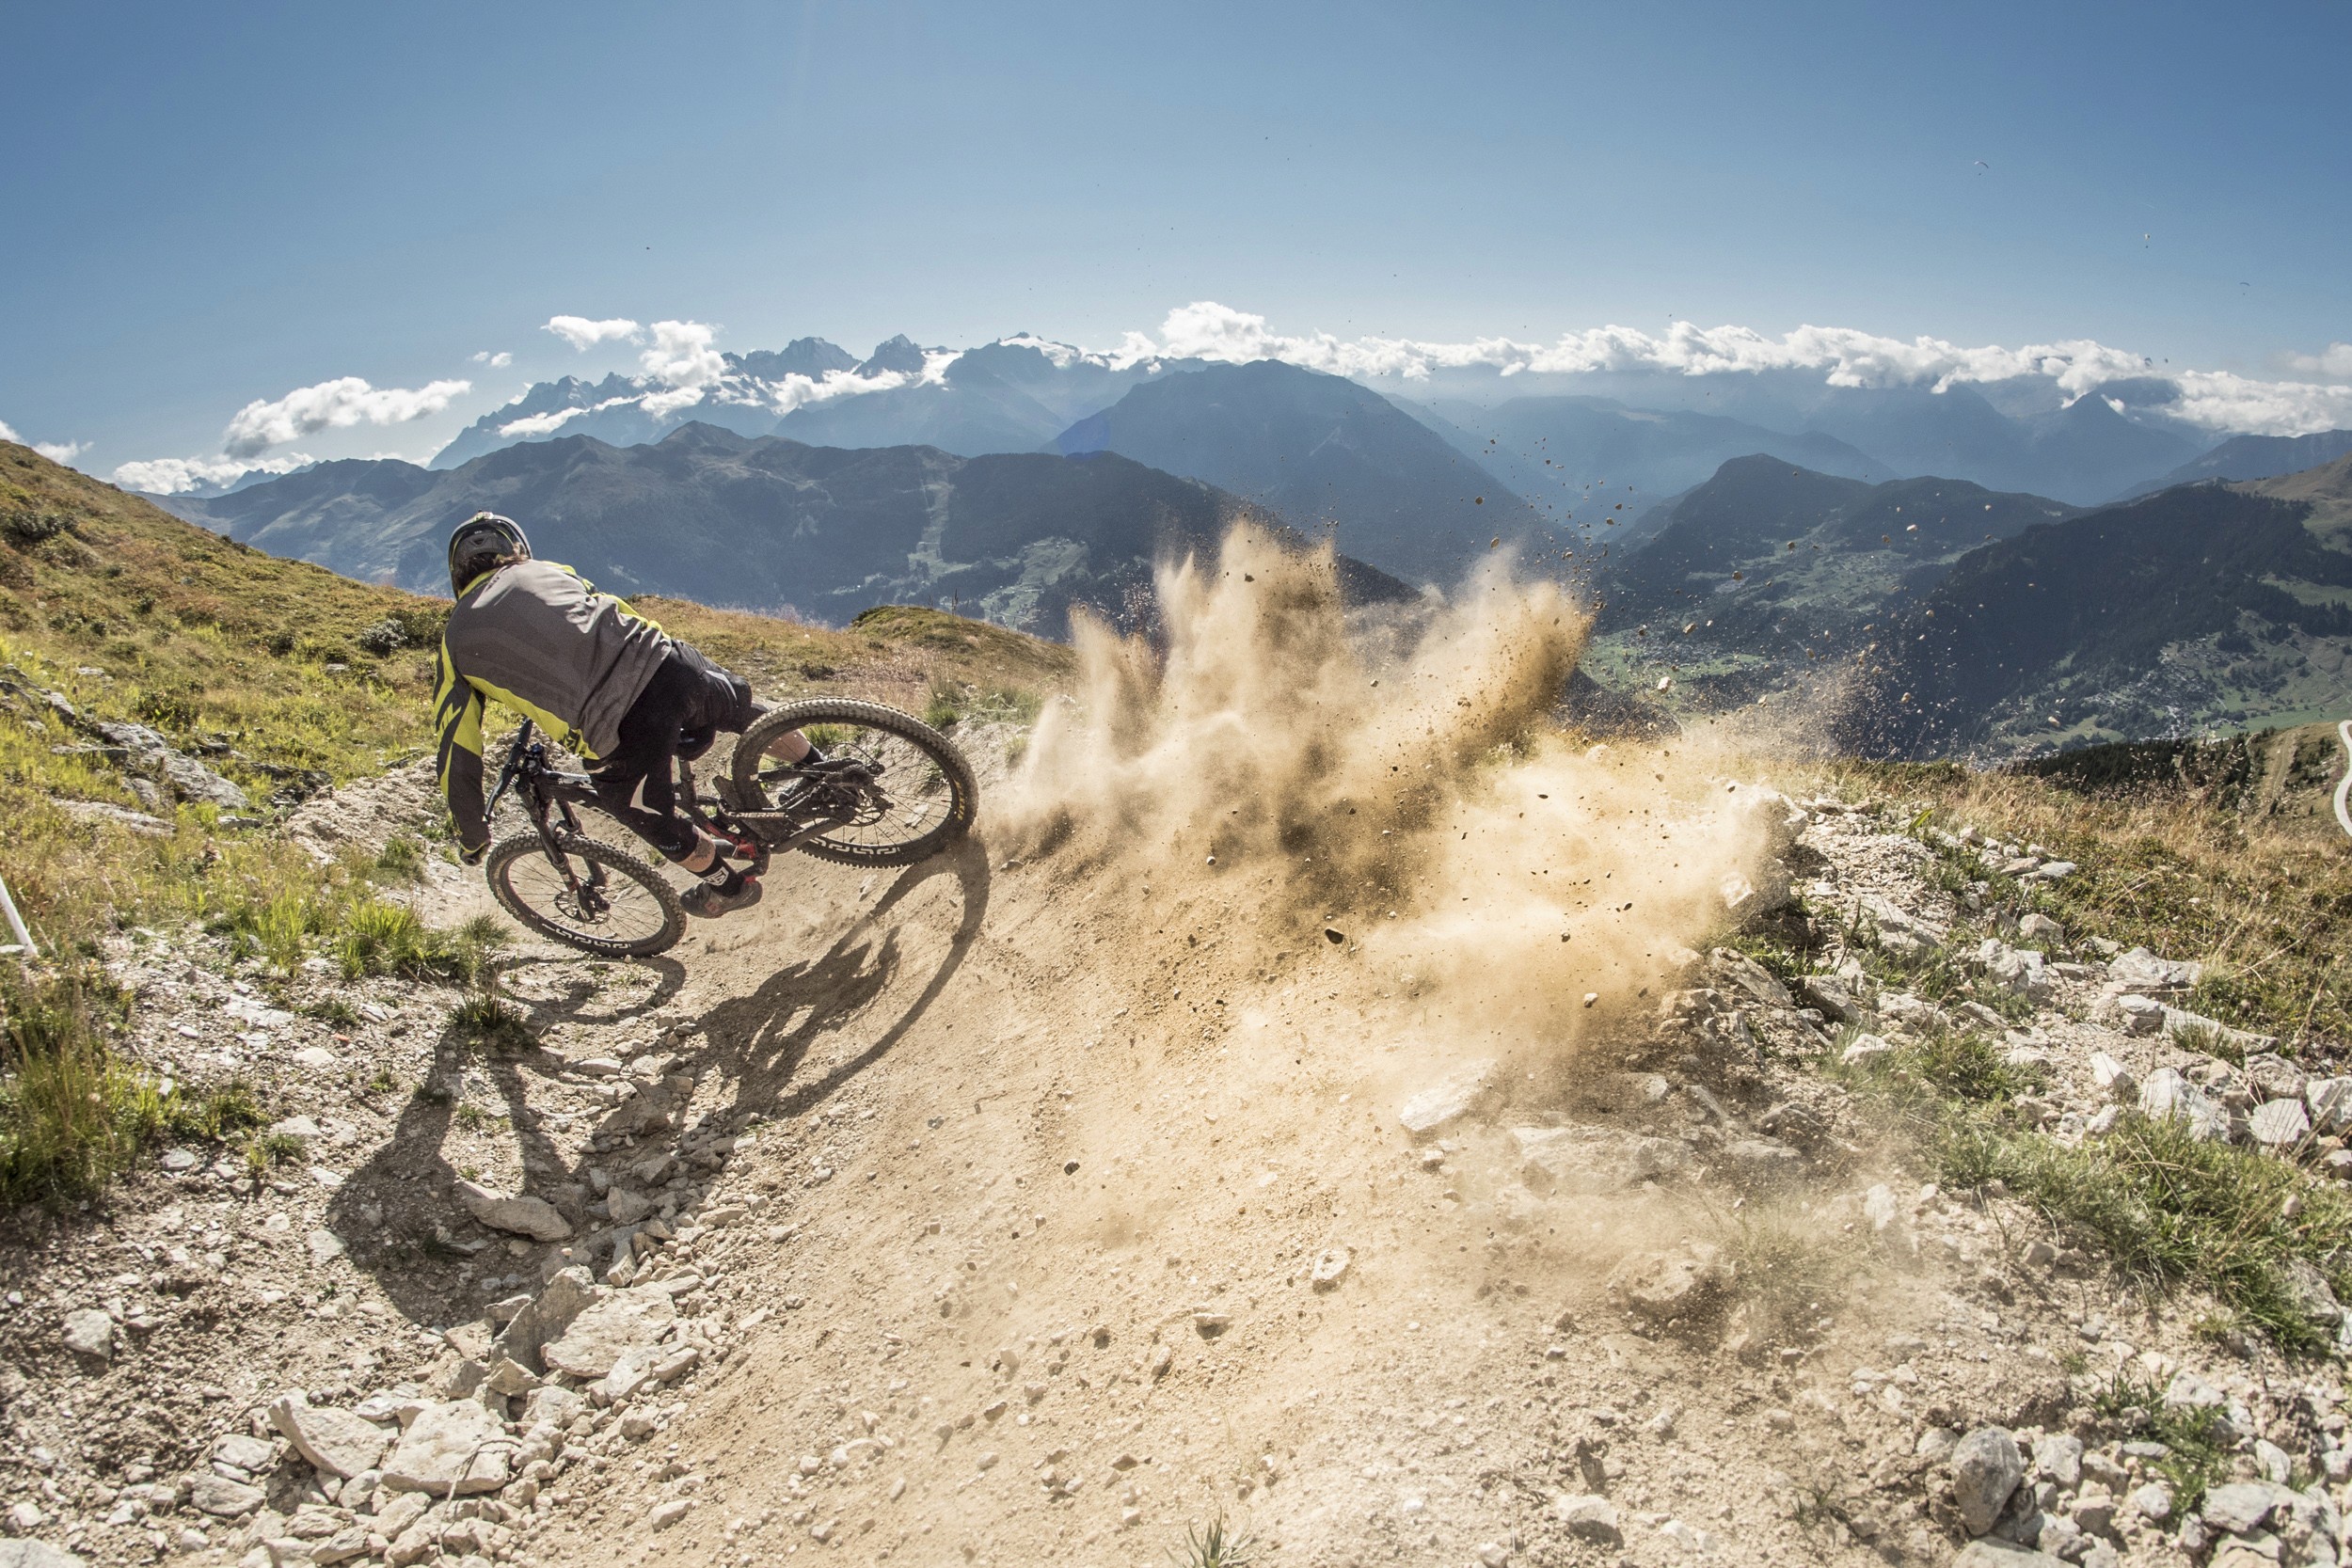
(597, 676)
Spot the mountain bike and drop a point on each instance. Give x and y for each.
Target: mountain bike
(882, 788)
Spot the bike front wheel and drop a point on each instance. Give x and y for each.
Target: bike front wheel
(897, 790)
(586, 895)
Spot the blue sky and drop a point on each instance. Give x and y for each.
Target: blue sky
(214, 205)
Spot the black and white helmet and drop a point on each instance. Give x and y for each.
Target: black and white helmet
(482, 541)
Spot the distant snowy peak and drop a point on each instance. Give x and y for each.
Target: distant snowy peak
(963, 395)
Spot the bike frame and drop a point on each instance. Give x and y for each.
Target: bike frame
(546, 789)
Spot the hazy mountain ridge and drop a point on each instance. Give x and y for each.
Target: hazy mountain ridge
(1553, 450)
(2204, 606)
(2015, 436)
(1775, 569)
(2250, 458)
(1317, 449)
(765, 522)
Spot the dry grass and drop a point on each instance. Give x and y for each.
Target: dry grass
(2262, 896)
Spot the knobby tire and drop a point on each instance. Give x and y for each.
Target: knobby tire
(964, 791)
(522, 847)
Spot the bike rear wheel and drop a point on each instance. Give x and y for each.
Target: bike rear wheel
(902, 789)
(611, 903)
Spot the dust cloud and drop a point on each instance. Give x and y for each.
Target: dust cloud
(1399, 778)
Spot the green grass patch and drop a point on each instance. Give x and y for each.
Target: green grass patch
(380, 937)
(952, 703)
(73, 1115)
(2199, 1457)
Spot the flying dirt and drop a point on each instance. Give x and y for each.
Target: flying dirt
(1136, 1234)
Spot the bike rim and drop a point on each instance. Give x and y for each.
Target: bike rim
(616, 908)
(908, 796)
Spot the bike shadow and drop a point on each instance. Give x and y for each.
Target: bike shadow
(762, 1040)
(395, 1230)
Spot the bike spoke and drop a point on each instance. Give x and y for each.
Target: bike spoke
(613, 909)
(888, 789)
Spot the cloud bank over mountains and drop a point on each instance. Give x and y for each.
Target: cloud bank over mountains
(2215, 400)
(681, 367)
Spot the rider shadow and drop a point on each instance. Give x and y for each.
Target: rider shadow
(765, 1037)
(579, 992)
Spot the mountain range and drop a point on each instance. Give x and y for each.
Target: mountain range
(1545, 436)
(1933, 617)
(2204, 606)
(769, 523)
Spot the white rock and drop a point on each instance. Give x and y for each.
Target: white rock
(36, 1554)
(1581, 1161)
(2142, 972)
(2198, 1028)
(1880, 1207)
(335, 1442)
(2166, 1094)
(224, 1498)
(2128, 1011)
(315, 1057)
(458, 1444)
(90, 1333)
(524, 1217)
(668, 1513)
(2060, 1458)
(1587, 1519)
(2281, 1123)
(628, 1207)
(2113, 1078)
(595, 1338)
(1985, 1469)
(1331, 1266)
(1449, 1099)
(2330, 1101)
(1865, 1048)
(1673, 1284)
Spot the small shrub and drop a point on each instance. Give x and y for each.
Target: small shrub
(165, 710)
(270, 1150)
(2200, 1455)
(72, 1117)
(490, 1018)
(401, 860)
(26, 526)
(1220, 1546)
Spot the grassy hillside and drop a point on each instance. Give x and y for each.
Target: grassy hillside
(285, 678)
(2202, 609)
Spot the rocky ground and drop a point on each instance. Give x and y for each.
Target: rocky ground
(833, 1232)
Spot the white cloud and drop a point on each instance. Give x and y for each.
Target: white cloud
(583, 334)
(56, 451)
(171, 476)
(496, 362)
(1845, 357)
(556, 419)
(332, 404)
(683, 360)
(2335, 359)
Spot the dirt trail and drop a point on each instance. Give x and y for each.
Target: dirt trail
(1076, 1117)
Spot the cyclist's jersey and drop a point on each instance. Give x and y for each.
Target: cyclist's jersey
(537, 638)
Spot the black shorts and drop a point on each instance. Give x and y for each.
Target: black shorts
(687, 702)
